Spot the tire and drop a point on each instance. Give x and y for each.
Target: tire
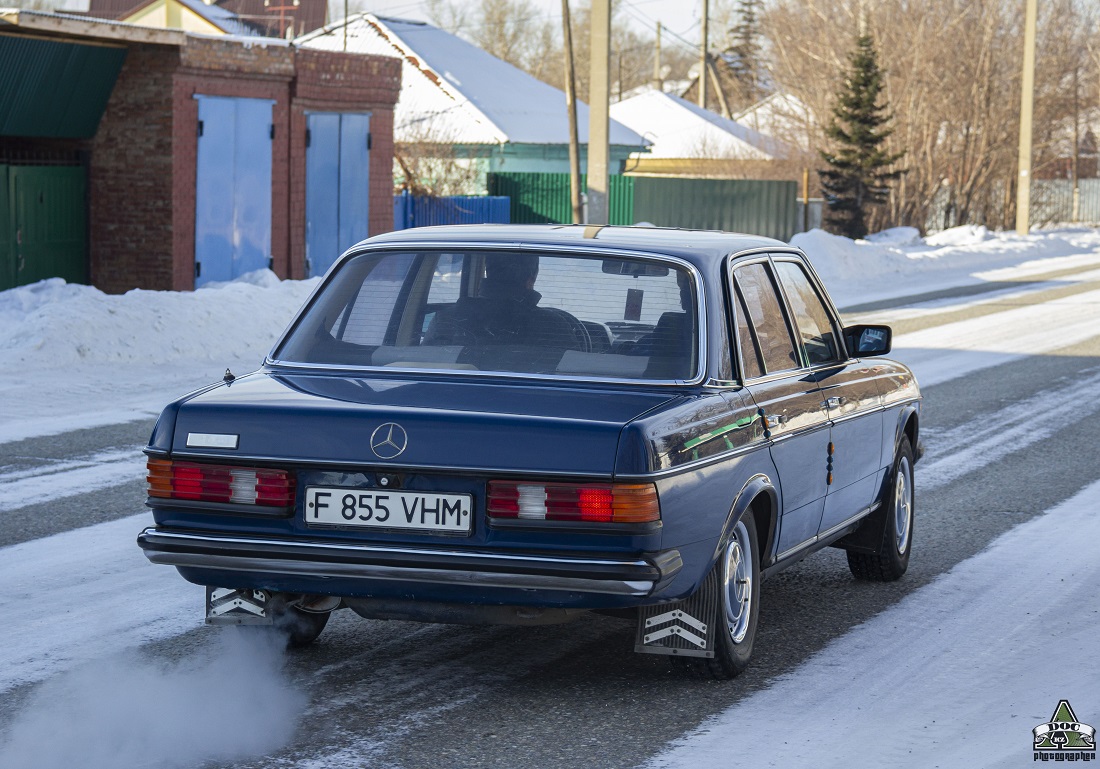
(737, 574)
(898, 503)
(301, 628)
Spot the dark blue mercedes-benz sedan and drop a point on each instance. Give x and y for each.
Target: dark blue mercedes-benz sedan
(519, 424)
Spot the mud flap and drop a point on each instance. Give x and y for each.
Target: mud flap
(226, 606)
(684, 628)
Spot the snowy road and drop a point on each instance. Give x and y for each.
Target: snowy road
(1012, 386)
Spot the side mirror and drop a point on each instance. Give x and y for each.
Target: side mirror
(868, 340)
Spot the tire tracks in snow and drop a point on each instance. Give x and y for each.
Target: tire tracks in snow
(67, 478)
(973, 445)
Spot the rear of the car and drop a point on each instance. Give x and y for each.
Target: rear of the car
(440, 435)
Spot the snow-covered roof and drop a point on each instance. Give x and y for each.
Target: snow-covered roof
(679, 129)
(453, 92)
(225, 20)
(780, 115)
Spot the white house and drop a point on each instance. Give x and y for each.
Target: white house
(782, 115)
(677, 128)
(455, 94)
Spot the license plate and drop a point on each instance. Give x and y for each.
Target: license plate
(415, 510)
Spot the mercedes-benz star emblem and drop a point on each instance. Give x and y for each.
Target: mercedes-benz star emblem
(388, 440)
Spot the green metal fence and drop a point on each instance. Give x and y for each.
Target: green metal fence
(768, 208)
(544, 198)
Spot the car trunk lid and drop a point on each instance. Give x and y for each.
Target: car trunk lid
(511, 427)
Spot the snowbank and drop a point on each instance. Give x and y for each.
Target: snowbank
(73, 357)
(53, 323)
(898, 262)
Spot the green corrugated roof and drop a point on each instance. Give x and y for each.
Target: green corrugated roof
(54, 89)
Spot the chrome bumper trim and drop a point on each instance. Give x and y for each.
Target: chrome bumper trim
(637, 577)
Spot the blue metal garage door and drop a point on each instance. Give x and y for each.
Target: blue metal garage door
(337, 185)
(232, 188)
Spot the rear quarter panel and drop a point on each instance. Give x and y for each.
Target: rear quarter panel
(702, 453)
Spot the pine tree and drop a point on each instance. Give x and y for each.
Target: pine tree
(858, 175)
(743, 54)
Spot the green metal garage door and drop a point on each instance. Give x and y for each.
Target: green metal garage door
(43, 224)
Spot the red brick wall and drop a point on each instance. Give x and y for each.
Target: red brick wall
(130, 177)
(142, 175)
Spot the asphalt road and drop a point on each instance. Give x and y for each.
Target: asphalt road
(406, 695)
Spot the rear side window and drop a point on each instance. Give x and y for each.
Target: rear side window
(766, 319)
(504, 311)
(819, 341)
(750, 350)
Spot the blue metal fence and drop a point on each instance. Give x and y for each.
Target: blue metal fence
(415, 211)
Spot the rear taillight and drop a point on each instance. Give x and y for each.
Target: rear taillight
(220, 483)
(591, 502)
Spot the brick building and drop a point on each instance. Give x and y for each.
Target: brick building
(198, 165)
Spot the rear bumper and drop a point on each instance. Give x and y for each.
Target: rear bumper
(636, 576)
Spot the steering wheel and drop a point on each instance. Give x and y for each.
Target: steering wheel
(576, 329)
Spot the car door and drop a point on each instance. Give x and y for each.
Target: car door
(787, 397)
(848, 390)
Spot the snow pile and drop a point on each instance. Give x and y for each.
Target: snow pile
(966, 235)
(896, 236)
(53, 323)
(898, 262)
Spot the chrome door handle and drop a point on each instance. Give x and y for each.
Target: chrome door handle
(772, 421)
(835, 402)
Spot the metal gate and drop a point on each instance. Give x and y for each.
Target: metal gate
(337, 185)
(232, 188)
(43, 224)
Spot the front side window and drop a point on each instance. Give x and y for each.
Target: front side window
(504, 311)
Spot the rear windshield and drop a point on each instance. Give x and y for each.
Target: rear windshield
(503, 311)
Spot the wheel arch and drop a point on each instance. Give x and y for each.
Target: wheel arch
(759, 498)
(909, 426)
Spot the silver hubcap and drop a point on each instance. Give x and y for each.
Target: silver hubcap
(737, 587)
(903, 504)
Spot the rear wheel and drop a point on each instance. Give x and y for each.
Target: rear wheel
(891, 560)
(299, 626)
(738, 597)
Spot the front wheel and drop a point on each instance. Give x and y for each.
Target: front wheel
(738, 598)
(891, 560)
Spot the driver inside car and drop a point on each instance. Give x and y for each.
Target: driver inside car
(505, 311)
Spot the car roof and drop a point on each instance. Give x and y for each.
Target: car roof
(701, 247)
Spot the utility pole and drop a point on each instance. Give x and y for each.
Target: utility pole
(1076, 147)
(619, 75)
(805, 200)
(599, 87)
(571, 107)
(703, 57)
(1027, 98)
(658, 81)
